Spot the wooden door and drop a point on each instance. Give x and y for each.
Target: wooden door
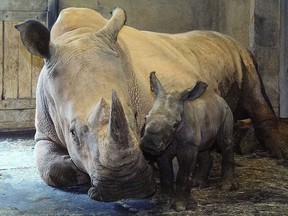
(19, 70)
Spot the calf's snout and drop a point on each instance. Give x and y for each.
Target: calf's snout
(152, 144)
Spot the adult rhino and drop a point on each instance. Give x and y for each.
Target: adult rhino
(80, 130)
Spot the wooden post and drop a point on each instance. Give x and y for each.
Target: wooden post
(52, 13)
(283, 81)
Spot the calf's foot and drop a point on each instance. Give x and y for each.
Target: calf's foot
(229, 185)
(183, 203)
(161, 198)
(201, 182)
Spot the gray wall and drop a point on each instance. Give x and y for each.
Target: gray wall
(255, 23)
(227, 16)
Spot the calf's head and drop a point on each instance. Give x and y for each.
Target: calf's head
(165, 118)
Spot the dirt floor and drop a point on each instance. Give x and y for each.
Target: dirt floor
(263, 189)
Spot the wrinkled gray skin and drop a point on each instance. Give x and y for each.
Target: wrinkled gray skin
(81, 132)
(185, 125)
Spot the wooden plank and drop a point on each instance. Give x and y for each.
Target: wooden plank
(25, 69)
(19, 71)
(23, 15)
(23, 5)
(1, 59)
(19, 104)
(37, 64)
(17, 119)
(11, 44)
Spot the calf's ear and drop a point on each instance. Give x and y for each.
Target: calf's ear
(35, 37)
(155, 85)
(193, 92)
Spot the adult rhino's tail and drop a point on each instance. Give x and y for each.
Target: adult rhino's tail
(258, 106)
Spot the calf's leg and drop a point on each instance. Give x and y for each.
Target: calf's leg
(201, 176)
(225, 142)
(187, 159)
(166, 174)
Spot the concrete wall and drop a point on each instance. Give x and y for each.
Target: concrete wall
(255, 23)
(265, 45)
(283, 75)
(161, 16)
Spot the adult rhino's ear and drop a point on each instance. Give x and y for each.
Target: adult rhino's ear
(194, 92)
(35, 37)
(155, 85)
(109, 33)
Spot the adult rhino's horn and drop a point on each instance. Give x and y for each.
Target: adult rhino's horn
(114, 25)
(99, 115)
(109, 33)
(118, 126)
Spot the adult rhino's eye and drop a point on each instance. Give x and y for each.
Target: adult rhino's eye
(74, 136)
(73, 133)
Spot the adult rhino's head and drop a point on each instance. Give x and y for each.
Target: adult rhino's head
(165, 118)
(98, 130)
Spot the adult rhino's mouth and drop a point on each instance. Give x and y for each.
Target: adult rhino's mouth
(135, 181)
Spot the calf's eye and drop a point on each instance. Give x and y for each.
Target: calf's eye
(175, 125)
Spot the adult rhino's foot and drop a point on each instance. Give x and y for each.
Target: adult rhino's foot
(65, 174)
(277, 144)
(95, 194)
(274, 136)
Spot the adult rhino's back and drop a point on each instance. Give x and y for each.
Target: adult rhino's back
(182, 59)
(194, 55)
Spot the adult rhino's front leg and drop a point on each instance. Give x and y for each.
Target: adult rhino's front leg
(56, 167)
(52, 160)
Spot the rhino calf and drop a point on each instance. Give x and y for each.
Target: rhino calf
(179, 125)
